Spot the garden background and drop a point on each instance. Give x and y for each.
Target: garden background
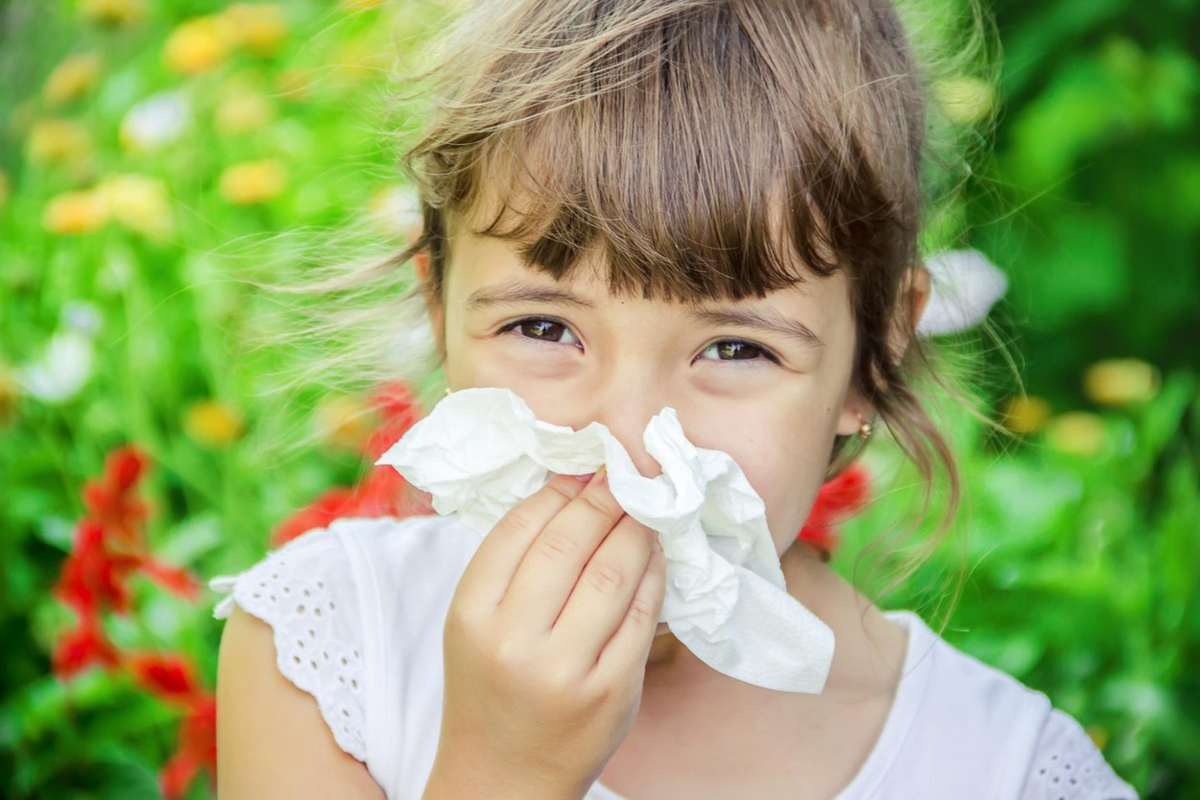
(145, 147)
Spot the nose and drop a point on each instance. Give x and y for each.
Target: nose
(625, 406)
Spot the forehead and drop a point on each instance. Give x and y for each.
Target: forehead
(489, 267)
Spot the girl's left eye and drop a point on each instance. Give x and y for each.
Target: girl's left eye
(543, 330)
(735, 350)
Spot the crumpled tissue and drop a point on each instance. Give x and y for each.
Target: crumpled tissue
(482, 451)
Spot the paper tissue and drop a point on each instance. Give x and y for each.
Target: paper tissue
(482, 451)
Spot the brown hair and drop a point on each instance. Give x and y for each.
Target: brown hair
(709, 148)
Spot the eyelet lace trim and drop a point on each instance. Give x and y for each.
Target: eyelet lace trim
(311, 609)
(1068, 766)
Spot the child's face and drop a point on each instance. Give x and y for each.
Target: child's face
(743, 376)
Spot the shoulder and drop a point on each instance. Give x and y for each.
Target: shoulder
(1067, 764)
(988, 729)
(329, 594)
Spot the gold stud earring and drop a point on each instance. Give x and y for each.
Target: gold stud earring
(865, 429)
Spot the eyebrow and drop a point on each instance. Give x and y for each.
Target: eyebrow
(515, 293)
(763, 319)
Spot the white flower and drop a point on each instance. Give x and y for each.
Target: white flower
(396, 209)
(63, 369)
(965, 286)
(155, 121)
(82, 316)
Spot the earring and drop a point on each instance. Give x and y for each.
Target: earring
(865, 429)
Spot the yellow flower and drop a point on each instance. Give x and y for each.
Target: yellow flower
(253, 182)
(1079, 433)
(74, 212)
(344, 422)
(964, 99)
(1120, 381)
(57, 141)
(72, 78)
(242, 112)
(1025, 414)
(211, 422)
(196, 46)
(113, 12)
(257, 27)
(138, 202)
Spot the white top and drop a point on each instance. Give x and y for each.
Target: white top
(358, 608)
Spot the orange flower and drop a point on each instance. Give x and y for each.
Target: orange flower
(197, 45)
(253, 182)
(260, 28)
(74, 213)
(211, 422)
(72, 78)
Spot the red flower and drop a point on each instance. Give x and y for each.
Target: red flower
(172, 578)
(87, 644)
(197, 749)
(383, 492)
(838, 499)
(111, 501)
(398, 411)
(168, 676)
(92, 578)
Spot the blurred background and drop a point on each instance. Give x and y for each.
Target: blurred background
(145, 147)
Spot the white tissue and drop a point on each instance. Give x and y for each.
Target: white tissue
(482, 451)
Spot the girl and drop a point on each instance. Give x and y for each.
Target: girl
(710, 205)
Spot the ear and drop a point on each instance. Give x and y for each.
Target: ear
(914, 296)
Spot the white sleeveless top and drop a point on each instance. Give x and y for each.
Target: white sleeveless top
(357, 611)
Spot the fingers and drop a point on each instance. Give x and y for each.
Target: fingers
(487, 576)
(558, 555)
(601, 599)
(629, 647)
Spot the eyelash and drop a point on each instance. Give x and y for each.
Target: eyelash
(762, 351)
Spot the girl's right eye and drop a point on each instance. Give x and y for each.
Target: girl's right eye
(542, 329)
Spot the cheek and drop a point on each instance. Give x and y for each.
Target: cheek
(784, 461)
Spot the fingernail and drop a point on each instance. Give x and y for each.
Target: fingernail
(584, 478)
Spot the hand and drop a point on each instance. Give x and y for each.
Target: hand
(545, 645)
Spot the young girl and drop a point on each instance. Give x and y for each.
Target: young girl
(707, 205)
